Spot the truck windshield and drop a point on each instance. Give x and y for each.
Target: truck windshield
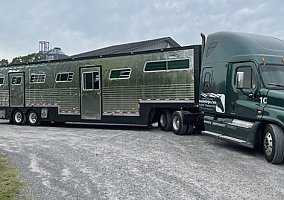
(272, 76)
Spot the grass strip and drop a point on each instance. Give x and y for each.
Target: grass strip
(10, 184)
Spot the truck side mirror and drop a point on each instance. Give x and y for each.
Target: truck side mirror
(240, 80)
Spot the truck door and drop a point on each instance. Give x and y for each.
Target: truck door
(91, 93)
(241, 99)
(17, 89)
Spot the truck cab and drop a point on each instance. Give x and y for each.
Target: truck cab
(242, 91)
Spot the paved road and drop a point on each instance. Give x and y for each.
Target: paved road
(133, 163)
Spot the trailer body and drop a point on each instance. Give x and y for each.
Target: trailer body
(133, 89)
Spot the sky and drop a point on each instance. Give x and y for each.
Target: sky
(77, 26)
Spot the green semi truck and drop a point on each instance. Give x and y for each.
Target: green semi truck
(230, 87)
(242, 91)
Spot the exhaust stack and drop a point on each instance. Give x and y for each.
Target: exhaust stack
(203, 39)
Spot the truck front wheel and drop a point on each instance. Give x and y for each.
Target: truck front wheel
(273, 144)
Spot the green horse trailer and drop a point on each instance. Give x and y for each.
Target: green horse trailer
(136, 88)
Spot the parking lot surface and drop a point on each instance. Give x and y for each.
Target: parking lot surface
(95, 162)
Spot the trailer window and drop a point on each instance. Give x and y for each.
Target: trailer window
(37, 78)
(168, 65)
(178, 64)
(91, 80)
(16, 80)
(119, 74)
(64, 77)
(155, 66)
(1, 80)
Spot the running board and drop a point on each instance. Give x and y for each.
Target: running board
(232, 139)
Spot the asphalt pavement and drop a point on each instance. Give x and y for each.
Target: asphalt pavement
(121, 163)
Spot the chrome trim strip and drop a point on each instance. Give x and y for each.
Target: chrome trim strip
(166, 101)
(241, 123)
(220, 136)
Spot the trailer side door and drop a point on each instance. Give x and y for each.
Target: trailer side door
(91, 93)
(17, 88)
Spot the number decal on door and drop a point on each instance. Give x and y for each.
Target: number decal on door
(263, 100)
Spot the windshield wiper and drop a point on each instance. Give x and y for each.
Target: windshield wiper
(275, 84)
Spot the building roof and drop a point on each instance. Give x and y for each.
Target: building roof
(160, 43)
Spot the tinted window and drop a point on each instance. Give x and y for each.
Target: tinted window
(1, 80)
(88, 81)
(16, 80)
(64, 77)
(156, 66)
(178, 64)
(37, 78)
(248, 77)
(207, 79)
(272, 76)
(153, 66)
(120, 73)
(91, 80)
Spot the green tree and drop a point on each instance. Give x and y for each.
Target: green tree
(33, 57)
(4, 62)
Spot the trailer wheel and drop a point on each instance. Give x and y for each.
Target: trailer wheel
(19, 118)
(179, 127)
(165, 122)
(33, 118)
(273, 144)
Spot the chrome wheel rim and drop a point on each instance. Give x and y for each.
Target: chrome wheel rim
(33, 118)
(268, 143)
(176, 123)
(18, 117)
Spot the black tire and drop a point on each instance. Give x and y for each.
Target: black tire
(273, 144)
(178, 125)
(190, 130)
(165, 121)
(19, 118)
(33, 118)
